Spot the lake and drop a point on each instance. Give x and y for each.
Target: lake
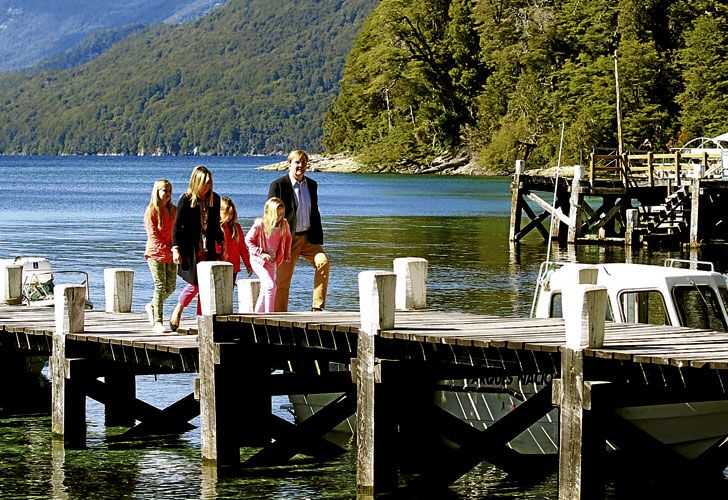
(86, 213)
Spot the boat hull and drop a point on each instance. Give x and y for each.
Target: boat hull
(690, 429)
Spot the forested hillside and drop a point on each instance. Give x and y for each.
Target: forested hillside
(428, 77)
(253, 76)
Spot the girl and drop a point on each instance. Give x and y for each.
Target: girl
(158, 222)
(235, 247)
(196, 231)
(269, 243)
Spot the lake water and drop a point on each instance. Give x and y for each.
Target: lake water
(87, 213)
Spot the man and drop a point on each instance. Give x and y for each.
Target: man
(300, 196)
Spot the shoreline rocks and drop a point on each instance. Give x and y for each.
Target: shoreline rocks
(320, 163)
(343, 163)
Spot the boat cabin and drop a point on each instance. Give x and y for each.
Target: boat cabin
(640, 293)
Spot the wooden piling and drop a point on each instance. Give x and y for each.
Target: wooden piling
(377, 306)
(218, 391)
(68, 417)
(517, 202)
(118, 289)
(632, 219)
(215, 279)
(695, 213)
(248, 291)
(580, 449)
(575, 205)
(411, 288)
(11, 284)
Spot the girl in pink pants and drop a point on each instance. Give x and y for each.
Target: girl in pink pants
(269, 244)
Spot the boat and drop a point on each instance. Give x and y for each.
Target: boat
(679, 293)
(39, 280)
(714, 150)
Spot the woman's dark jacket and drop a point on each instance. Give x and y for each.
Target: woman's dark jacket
(186, 235)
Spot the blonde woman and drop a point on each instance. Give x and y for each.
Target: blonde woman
(195, 235)
(158, 222)
(269, 244)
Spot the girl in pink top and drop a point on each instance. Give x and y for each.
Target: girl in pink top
(158, 222)
(269, 243)
(235, 247)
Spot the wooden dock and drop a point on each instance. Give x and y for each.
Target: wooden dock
(393, 360)
(631, 199)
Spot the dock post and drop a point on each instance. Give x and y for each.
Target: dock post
(695, 213)
(632, 221)
(68, 418)
(219, 442)
(581, 440)
(248, 291)
(11, 284)
(411, 288)
(575, 203)
(516, 201)
(118, 288)
(376, 306)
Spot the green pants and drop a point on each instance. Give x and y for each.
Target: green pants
(164, 276)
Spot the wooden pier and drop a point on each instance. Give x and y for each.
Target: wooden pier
(632, 199)
(386, 362)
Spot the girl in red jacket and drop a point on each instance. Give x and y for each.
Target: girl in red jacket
(235, 247)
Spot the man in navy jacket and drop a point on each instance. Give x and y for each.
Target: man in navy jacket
(300, 196)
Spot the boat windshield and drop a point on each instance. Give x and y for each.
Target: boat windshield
(556, 309)
(699, 307)
(644, 306)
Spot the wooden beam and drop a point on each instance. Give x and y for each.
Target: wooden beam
(173, 419)
(534, 224)
(608, 216)
(292, 439)
(556, 212)
(488, 443)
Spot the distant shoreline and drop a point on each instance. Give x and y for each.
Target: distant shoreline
(341, 163)
(322, 163)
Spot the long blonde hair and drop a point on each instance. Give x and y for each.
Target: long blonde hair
(154, 206)
(229, 217)
(270, 214)
(199, 177)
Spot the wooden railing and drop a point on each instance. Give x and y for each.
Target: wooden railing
(650, 166)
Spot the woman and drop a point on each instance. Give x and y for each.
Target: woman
(158, 222)
(196, 231)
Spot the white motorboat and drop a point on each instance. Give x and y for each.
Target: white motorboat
(39, 280)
